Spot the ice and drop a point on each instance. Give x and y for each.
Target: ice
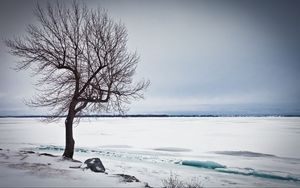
(261, 174)
(172, 149)
(244, 153)
(256, 151)
(203, 164)
(240, 171)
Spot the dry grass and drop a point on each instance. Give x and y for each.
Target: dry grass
(173, 181)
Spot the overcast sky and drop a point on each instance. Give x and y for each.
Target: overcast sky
(207, 57)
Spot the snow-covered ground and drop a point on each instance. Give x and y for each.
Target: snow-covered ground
(222, 151)
(22, 169)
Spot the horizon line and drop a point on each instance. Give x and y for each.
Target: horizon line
(155, 115)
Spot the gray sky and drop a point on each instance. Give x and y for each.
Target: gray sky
(207, 57)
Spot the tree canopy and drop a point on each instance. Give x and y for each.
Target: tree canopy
(81, 58)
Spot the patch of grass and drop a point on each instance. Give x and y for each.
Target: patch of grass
(173, 181)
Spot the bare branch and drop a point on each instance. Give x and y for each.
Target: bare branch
(81, 58)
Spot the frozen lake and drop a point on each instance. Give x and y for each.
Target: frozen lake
(228, 151)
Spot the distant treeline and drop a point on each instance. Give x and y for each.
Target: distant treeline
(153, 115)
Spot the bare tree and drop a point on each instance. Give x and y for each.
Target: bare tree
(83, 63)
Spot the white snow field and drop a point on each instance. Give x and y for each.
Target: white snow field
(217, 151)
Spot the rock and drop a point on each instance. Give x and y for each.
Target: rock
(47, 154)
(147, 185)
(95, 165)
(128, 178)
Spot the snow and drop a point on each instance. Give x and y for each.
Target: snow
(20, 169)
(252, 151)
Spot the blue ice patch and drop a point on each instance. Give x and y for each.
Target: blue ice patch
(203, 164)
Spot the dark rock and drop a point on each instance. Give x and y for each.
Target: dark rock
(95, 165)
(128, 178)
(0, 149)
(47, 154)
(147, 185)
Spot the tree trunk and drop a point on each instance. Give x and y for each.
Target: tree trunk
(69, 147)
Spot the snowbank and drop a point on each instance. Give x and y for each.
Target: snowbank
(31, 169)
